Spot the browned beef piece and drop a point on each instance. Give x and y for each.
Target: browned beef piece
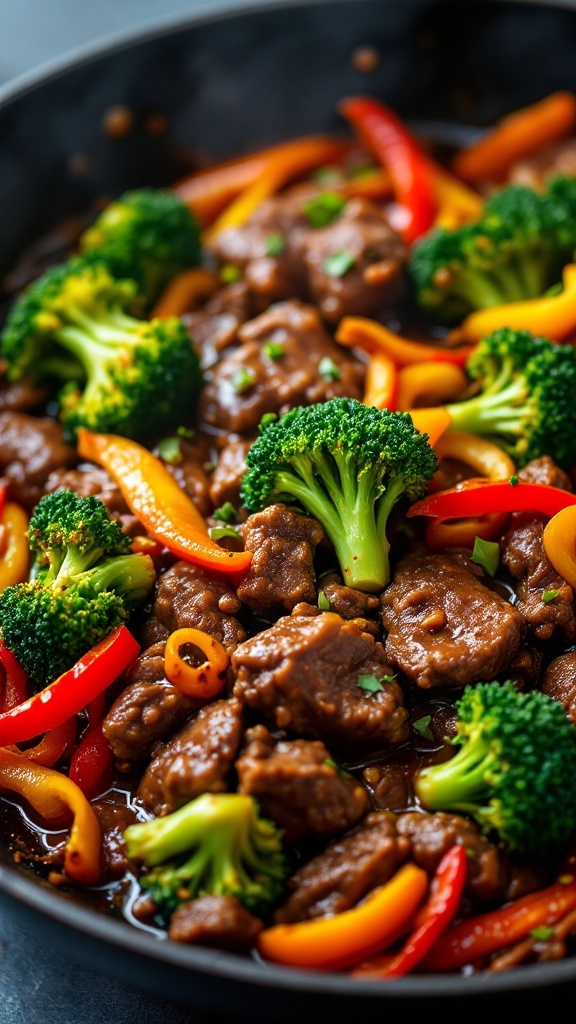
(31, 447)
(347, 602)
(148, 709)
(346, 871)
(559, 682)
(524, 670)
(186, 595)
(197, 760)
(281, 572)
(227, 476)
(545, 471)
(534, 171)
(378, 257)
(249, 382)
(21, 396)
(445, 628)
(215, 327)
(87, 482)
(114, 819)
(217, 921)
(303, 673)
(299, 786)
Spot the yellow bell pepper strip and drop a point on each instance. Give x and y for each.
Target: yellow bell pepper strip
(331, 943)
(14, 550)
(385, 134)
(380, 383)
(552, 316)
(371, 337)
(52, 795)
(16, 682)
(164, 509)
(434, 422)
(185, 292)
(72, 691)
(479, 937)
(431, 382)
(559, 540)
(457, 203)
(479, 496)
(54, 745)
(486, 459)
(515, 137)
(202, 681)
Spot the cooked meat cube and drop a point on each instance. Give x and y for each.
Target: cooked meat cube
(559, 682)
(346, 871)
(92, 481)
(114, 819)
(253, 379)
(445, 628)
(197, 760)
(524, 669)
(31, 448)
(219, 921)
(299, 786)
(215, 327)
(373, 253)
(21, 396)
(281, 572)
(227, 476)
(347, 602)
(545, 471)
(186, 595)
(148, 709)
(303, 674)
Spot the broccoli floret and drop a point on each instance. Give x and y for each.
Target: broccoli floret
(216, 845)
(515, 251)
(515, 771)
(526, 398)
(147, 234)
(121, 374)
(346, 464)
(84, 581)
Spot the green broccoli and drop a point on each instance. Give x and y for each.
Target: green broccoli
(84, 581)
(515, 771)
(346, 464)
(526, 399)
(216, 845)
(120, 374)
(515, 251)
(148, 235)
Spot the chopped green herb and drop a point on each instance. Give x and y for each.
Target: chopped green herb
(218, 532)
(549, 595)
(331, 764)
(323, 601)
(242, 380)
(341, 771)
(487, 554)
(226, 513)
(338, 263)
(187, 432)
(266, 420)
(422, 727)
(273, 350)
(514, 480)
(369, 684)
(229, 273)
(542, 933)
(325, 175)
(323, 208)
(275, 244)
(169, 451)
(327, 368)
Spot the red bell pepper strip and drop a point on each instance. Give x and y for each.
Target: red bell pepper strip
(382, 131)
(54, 744)
(479, 496)
(72, 691)
(91, 762)
(16, 685)
(436, 914)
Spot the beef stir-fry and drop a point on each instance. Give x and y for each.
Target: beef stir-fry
(288, 552)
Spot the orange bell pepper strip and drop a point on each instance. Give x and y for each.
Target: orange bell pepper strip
(515, 137)
(431, 383)
(457, 203)
(14, 550)
(202, 681)
(381, 381)
(185, 292)
(54, 745)
(164, 509)
(371, 337)
(479, 937)
(52, 795)
(434, 422)
(331, 943)
(552, 316)
(559, 540)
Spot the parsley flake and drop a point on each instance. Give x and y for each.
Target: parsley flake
(369, 684)
(339, 263)
(275, 244)
(323, 601)
(266, 420)
(226, 513)
(549, 595)
(487, 554)
(169, 451)
(542, 933)
(229, 273)
(327, 368)
(323, 209)
(242, 380)
(273, 350)
(187, 432)
(513, 481)
(422, 727)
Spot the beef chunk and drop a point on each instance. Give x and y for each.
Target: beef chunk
(347, 602)
(445, 628)
(277, 383)
(197, 760)
(346, 871)
(148, 709)
(298, 785)
(31, 447)
(218, 921)
(559, 682)
(227, 476)
(215, 327)
(524, 556)
(23, 395)
(545, 471)
(186, 595)
(90, 482)
(114, 819)
(281, 572)
(303, 673)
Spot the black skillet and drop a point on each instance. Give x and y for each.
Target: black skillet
(225, 85)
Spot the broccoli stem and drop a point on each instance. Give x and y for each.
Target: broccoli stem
(161, 839)
(495, 411)
(462, 783)
(129, 576)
